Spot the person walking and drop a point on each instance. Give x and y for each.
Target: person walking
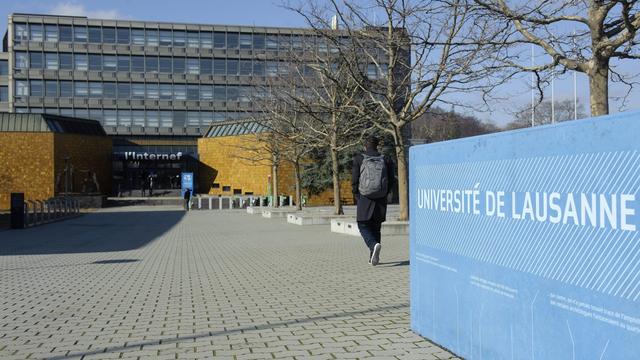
(372, 178)
(151, 176)
(143, 184)
(187, 199)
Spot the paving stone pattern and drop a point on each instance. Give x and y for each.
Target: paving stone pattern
(156, 283)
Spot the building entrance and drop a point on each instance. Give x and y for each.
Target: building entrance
(152, 170)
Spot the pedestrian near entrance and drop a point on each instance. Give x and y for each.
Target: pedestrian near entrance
(372, 178)
(151, 177)
(187, 199)
(144, 185)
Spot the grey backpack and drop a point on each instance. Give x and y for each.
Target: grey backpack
(373, 177)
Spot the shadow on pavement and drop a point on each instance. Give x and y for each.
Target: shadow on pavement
(94, 232)
(115, 261)
(99, 262)
(392, 264)
(173, 340)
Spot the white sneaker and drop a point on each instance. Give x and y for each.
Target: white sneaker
(375, 257)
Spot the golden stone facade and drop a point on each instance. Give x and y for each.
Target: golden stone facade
(33, 163)
(238, 164)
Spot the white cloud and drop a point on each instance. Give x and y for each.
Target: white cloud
(75, 9)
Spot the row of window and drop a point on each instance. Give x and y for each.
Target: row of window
(149, 118)
(112, 90)
(168, 38)
(150, 64)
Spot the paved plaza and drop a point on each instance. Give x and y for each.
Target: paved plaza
(158, 283)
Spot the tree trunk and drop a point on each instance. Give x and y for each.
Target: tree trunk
(274, 185)
(599, 88)
(403, 177)
(298, 175)
(336, 182)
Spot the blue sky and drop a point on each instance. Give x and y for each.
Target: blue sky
(270, 13)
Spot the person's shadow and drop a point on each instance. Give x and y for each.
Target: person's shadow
(395, 263)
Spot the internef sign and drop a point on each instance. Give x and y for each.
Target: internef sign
(525, 244)
(598, 210)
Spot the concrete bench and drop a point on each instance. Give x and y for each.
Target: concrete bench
(349, 226)
(312, 219)
(277, 212)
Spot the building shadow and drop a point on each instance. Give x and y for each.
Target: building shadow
(94, 232)
(206, 177)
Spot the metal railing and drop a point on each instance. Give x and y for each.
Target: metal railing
(38, 212)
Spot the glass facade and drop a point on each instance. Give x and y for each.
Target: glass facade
(168, 76)
(147, 64)
(154, 37)
(148, 118)
(150, 91)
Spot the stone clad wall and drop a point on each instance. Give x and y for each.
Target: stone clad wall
(326, 197)
(26, 165)
(92, 153)
(30, 162)
(233, 161)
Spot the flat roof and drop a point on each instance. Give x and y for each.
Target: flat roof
(133, 21)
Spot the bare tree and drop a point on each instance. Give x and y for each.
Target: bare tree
(563, 109)
(327, 102)
(285, 126)
(410, 56)
(580, 35)
(440, 125)
(262, 148)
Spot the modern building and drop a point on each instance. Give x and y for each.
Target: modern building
(155, 87)
(44, 155)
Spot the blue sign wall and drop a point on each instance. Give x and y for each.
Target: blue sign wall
(525, 244)
(186, 181)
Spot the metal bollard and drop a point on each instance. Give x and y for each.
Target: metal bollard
(26, 214)
(34, 212)
(219, 202)
(199, 202)
(40, 206)
(210, 203)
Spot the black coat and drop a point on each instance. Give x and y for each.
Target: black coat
(370, 209)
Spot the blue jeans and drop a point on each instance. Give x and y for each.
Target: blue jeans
(370, 231)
